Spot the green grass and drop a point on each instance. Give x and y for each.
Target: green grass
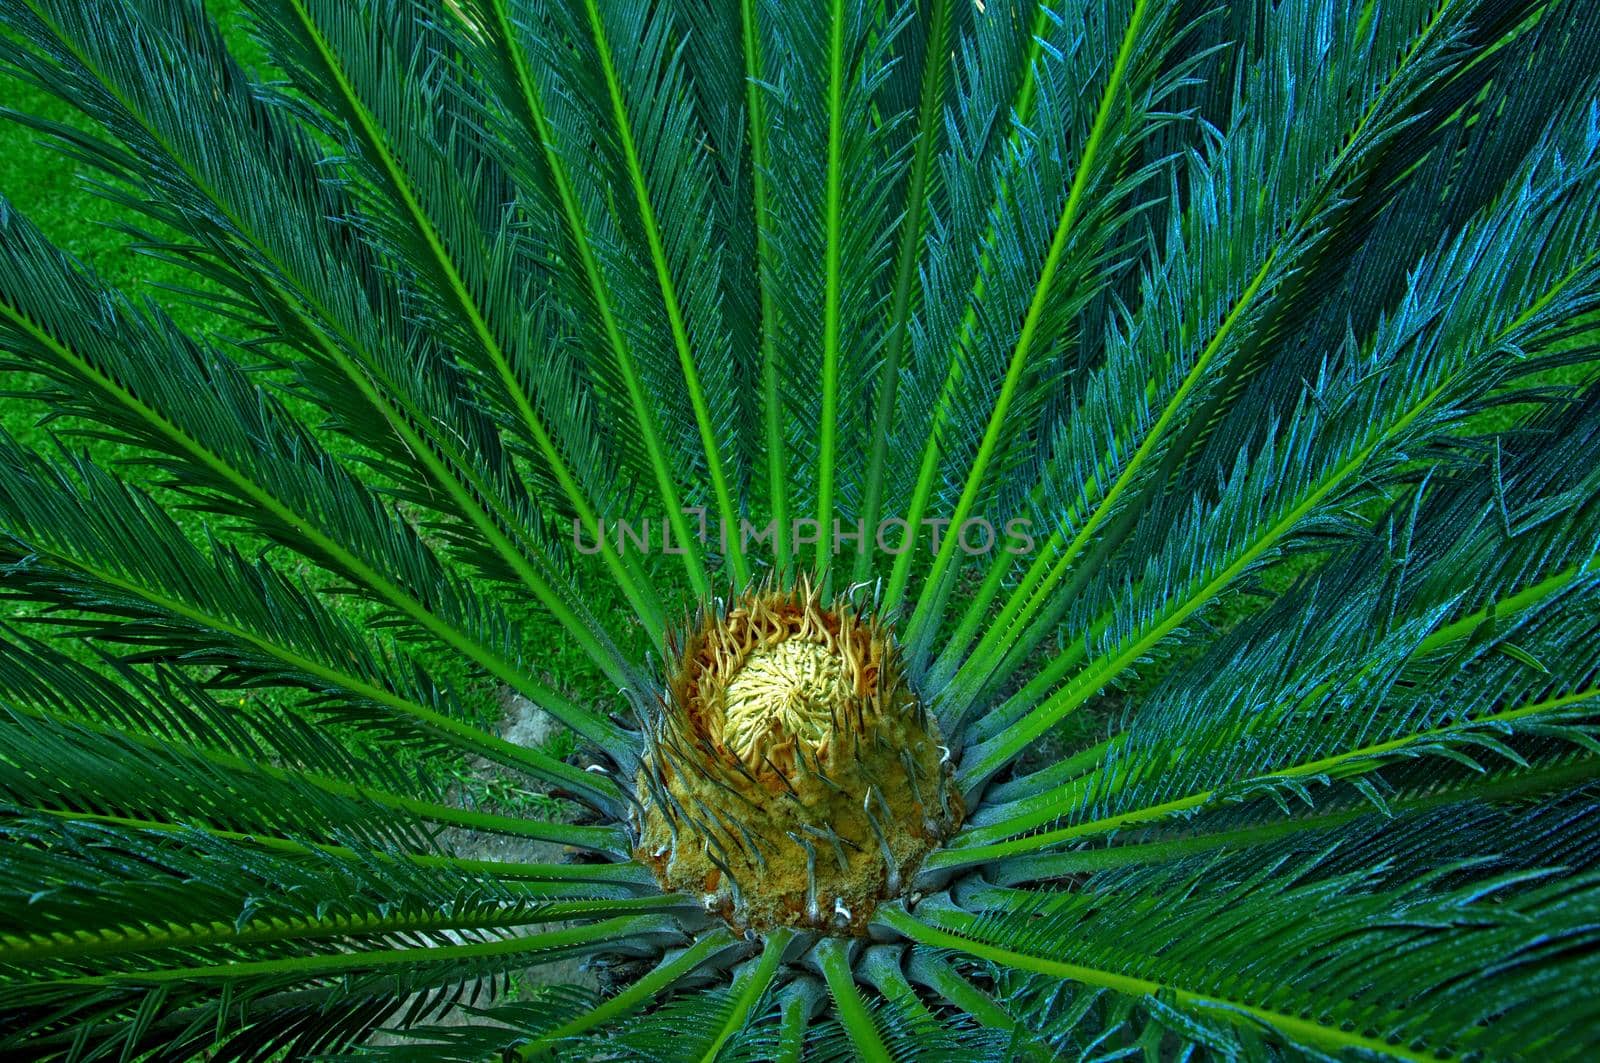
(50, 189)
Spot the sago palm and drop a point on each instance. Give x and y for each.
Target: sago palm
(1048, 530)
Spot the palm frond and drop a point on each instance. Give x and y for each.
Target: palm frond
(1375, 405)
(1083, 528)
(1243, 935)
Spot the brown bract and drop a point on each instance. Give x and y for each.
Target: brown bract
(793, 776)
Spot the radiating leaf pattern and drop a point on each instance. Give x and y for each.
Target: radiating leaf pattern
(1261, 338)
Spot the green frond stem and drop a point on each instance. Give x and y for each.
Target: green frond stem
(1051, 563)
(928, 470)
(577, 228)
(928, 968)
(602, 732)
(913, 231)
(946, 666)
(465, 486)
(997, 718)
(1448, 635)
(669, 296)
(796, 1003)
(1042, 867)
(668, 973)
(462, 481)
(1041, 789)
(833, 956)
(990, 756)
(1017, 794)
(53, 948)
(879, 968)
(976, 847)
(833, 282)
(1235, 372)
(373, 136)
(1022, 109)
(463, 491)
(608, 839)
(538, 879)
(456, 475)
(539, 947)
(751, 986)
(521, 758)
(771, 401)
(1466, 627)
(1530, 596)
(954, 931)
(1065, 226)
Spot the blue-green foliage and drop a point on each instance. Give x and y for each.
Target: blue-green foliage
(1297, 296)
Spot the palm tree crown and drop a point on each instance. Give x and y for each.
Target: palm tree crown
(1038, 530)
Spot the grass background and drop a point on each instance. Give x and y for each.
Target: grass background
(51, 191)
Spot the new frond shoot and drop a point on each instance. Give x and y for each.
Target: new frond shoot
(793, 777)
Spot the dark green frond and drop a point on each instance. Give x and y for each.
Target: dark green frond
(865, 529)
(1408, 955)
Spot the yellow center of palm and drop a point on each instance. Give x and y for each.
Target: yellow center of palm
(789, 689)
